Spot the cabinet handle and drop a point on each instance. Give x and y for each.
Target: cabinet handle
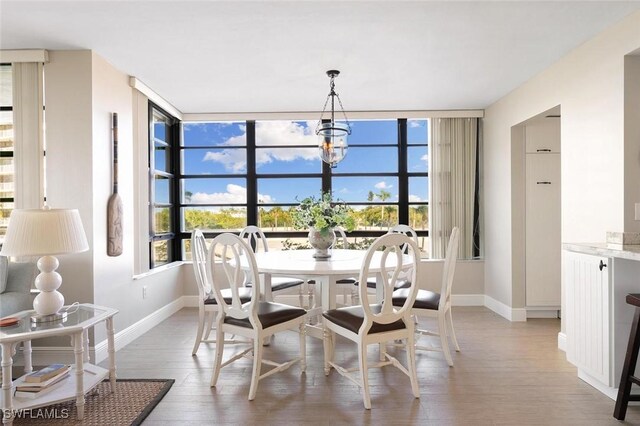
(602, 265)
(543, 150)
(543, 183)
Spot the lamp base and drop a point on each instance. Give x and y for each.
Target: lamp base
(40, 319)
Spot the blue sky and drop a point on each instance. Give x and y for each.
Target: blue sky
(224, 153)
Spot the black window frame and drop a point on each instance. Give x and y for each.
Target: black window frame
(8, 154)
(172, 143)
(252, 177)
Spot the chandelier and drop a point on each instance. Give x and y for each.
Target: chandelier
(332, 144)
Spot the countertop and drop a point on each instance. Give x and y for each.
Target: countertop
(631, 252)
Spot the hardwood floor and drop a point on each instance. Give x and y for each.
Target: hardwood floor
(507, 374)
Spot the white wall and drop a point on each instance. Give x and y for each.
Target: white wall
(82, 90)
(68, 135)
(631, 141)
(588, 84)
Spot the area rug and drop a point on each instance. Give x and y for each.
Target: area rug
(132, 402)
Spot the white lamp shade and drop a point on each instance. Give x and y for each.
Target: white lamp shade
(42, 232)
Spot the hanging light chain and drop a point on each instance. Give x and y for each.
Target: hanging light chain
(344, 114)
(332, 93)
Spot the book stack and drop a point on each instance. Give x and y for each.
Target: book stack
(42, 381)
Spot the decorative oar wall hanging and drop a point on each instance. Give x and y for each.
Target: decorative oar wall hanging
(114, 207)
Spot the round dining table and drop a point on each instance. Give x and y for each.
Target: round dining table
(324, 272)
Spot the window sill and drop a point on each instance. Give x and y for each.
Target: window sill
(159, 270)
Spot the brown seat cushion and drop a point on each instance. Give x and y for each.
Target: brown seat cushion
(245, 296)
(352, 318)
(281, 283)
(424, 300)
(371, 283)
(269, 314)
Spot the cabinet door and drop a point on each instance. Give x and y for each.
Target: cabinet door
(543, 136)
(587, 295)
(543, 241)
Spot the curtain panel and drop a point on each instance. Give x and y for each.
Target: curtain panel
(452, 183)
(28, 130)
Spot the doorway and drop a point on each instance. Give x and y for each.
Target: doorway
(536, 196)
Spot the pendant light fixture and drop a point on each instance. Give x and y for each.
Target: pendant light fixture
(332, 143)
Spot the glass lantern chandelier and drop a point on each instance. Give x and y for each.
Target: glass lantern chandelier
(332, 143)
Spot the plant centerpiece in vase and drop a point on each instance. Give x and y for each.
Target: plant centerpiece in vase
(320, 216)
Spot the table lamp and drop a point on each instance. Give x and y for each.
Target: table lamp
(45, 232)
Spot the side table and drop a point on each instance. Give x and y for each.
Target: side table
(77, 324)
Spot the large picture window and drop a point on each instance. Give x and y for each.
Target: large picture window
(234, 174)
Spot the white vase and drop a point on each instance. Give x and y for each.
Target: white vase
(321, 241)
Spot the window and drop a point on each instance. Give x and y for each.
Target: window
(252, 172)
(7, 185)
(163, 141)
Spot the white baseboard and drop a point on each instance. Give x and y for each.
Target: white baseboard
(45, 355)
(607, 390)
(190, 301)
(542, 312)
(292, 299)
(512, 314)
(562, 342)
(467, 299)
(131, 333)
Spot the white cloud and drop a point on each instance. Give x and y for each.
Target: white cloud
(383, 185)
(270, 133)
(414, 198)
(344, 191)
(425, 158)
(235, 194)
(415, 123)
(233, 159)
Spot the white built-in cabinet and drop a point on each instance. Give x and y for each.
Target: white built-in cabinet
(542, 215)
(596, 281)
(588, 316)
(543, 137)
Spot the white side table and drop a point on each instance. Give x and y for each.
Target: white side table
(78, 384)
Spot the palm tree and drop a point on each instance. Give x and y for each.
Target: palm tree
(383, 196)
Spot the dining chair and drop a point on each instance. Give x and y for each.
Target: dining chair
(255, 238)
(342, 242)
(207, 305)
(377, 323)
(256, 320)
(431, 304)
(371, 282)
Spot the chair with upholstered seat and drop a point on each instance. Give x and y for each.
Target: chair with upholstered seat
(438, 305)
(371, 282)
(377, 323)
(342, 242)
(257, 320)
(207, 305)
(256, 239)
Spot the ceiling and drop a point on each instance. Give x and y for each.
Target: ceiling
(271, 56)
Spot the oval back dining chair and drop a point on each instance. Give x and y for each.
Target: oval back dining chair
(255, 238)
(378, 323)
(255, 320)
(341, 241)
(406, 230)
(207, 305)
(402, 283)
(438, 305)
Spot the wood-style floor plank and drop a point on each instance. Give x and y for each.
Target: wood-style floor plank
(507, 374)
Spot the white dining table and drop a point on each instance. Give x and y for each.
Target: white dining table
(325, 273)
